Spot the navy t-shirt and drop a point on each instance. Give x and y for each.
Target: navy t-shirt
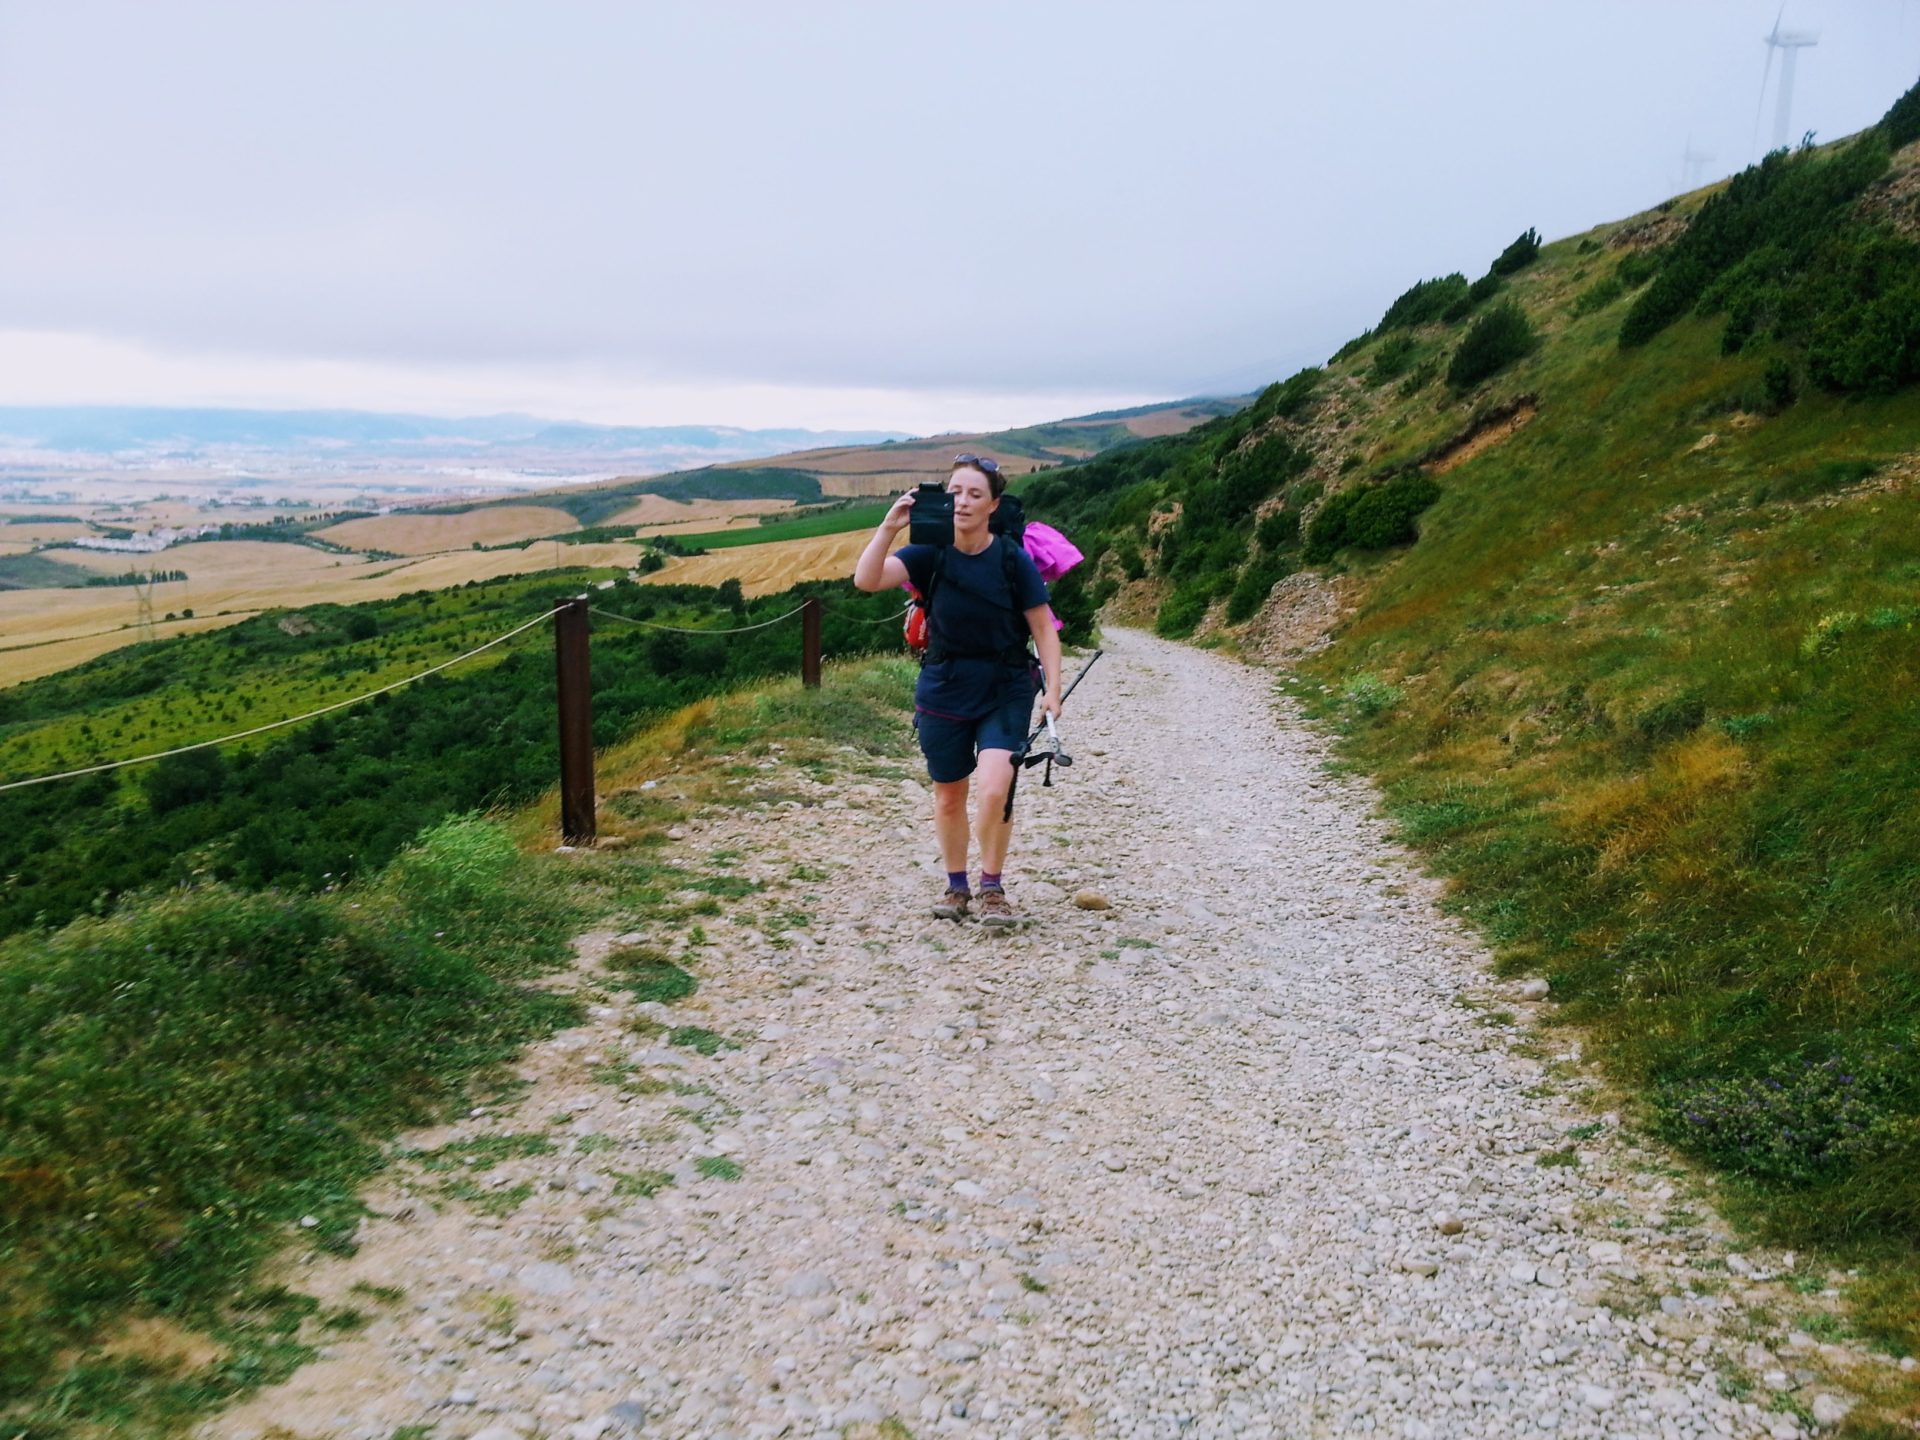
(973, 612)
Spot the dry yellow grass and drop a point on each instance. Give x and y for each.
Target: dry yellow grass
(661, 515)
(45, 631)
(41, 532)
(431, 534)
(766, 569)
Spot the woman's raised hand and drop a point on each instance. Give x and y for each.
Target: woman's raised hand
(898, 514)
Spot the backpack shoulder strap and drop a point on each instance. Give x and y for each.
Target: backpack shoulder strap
(934, 578)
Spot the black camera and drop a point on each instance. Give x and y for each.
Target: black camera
(930, 522)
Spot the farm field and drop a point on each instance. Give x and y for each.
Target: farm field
(18, 539)
(662, 515)
(404, 534)
(768, 569)
(43, 632)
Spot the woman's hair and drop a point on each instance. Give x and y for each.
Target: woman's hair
(996, 482)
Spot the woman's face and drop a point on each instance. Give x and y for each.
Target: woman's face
(973, 499)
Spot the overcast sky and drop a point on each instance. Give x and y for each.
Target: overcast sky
(898, 215)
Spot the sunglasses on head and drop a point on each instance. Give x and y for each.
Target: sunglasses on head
(978, 462)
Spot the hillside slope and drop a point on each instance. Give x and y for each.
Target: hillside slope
(884, 469)
(1643, 686)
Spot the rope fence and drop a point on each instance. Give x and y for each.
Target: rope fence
(694, 630)
(574, 687)
(281, 724)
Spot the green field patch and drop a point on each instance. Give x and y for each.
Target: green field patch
(38, 572)
(836, 521)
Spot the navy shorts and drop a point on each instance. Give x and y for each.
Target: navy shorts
(952, 746)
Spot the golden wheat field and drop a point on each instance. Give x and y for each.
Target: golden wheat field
(430, 534)
(16, 539)
(45, 631)
(659, 515)
(767, 569)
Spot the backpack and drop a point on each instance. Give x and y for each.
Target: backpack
(1009, 523)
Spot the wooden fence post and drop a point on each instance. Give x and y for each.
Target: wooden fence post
(572, 657)
(810, 644)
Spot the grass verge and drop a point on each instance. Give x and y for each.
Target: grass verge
(201, 1078)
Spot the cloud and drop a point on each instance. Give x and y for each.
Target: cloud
(843, 198)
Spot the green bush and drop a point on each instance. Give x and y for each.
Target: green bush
(1419, 380)
(1352, 347)
(1371, 517)
(1597, 296)
(1638, 267)
(1478, 293)
(1423, 303)
(1862, 302)
(1393, 359)
(1288, 399)
(1497, 339)
(1278, 530)
(1790, 201)
(188, 779)
(1800, 1122)
(1250, 591)
(1902, 122)
(1184, 609)
(1779, 386)
(1520, 254)
(1383, 515)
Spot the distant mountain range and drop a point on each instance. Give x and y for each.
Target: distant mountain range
(143, 433)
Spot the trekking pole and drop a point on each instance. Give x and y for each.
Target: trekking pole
(1020, 761)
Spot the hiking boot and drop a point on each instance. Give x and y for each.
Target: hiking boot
(995, 909)
(952, 905)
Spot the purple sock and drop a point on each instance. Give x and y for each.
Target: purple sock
(989, 882)
(957, 880)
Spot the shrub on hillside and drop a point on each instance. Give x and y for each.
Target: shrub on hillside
(1520, 254)
(1371, 517)
(1497, 339)
(1287, 399)
(1423, 303)
(1597, 296)
(1394, 358)
(1184, 609)
(1788, 200)
(1278, 530)
(1419, 380)
(1902, 122)
(1478, 293)
(1352, 347)
(1638, 267)
(1256, 582)
(185, 779)
(1865, 302)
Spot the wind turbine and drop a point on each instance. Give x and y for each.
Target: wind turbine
(1693, 164)
(1790, 43)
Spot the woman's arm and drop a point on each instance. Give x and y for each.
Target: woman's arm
(876, 569)
(1046, 640)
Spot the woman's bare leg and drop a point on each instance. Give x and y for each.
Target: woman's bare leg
(994, 772)
(950, 822)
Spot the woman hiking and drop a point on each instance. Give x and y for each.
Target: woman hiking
(974, 699)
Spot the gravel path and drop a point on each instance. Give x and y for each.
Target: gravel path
(1248, 1153)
